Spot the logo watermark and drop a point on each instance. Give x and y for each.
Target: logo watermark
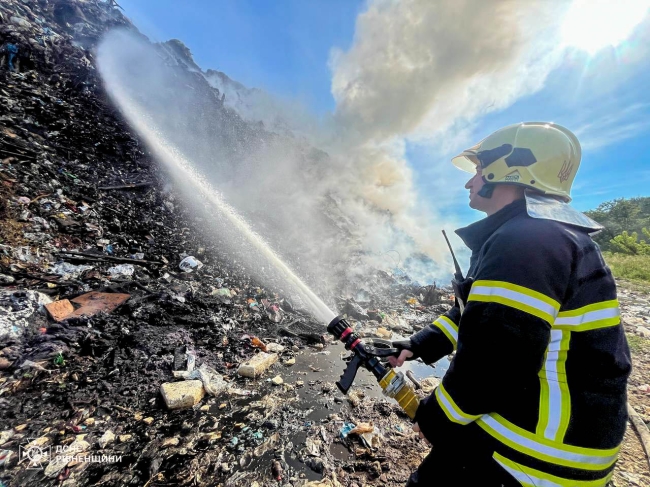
(36, 455)
(39, 456)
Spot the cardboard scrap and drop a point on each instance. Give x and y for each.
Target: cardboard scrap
(60, 310)
(90, 304)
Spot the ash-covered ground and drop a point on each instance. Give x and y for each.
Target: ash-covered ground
(85, 209)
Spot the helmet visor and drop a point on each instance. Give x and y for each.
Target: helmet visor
(466, 161)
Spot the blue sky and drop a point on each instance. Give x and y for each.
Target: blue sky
(284, 48)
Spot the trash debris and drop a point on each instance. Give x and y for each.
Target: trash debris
(274, 347)
(257, 365)
(27, 364)
(69, 271)
(362, 428)
(223, 292)
(18, 309)
(355, 396)
(277, 381)
(4, 279)
(59, 360)
(276, 470)
(90, 304)
(428, 384)
(121, 270)
(6, 435)
(184, 360)
(346, 429)
(313, 447)
(167, 442)
(190, 264)
(212, 381)
(6, 456)
(383, 333)
(353, 310)
(273, 313)
(257, 343)
(645, 388)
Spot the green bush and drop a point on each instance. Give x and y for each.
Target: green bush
(630, 244)
(634, 267)
(630, 215)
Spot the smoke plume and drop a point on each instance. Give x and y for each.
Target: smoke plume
(423, 71)
(337, 197)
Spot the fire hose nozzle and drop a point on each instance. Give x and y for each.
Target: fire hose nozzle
(396, 387)
(393, 383)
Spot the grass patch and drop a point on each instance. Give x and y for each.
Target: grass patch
(633, 267)
(637, 344)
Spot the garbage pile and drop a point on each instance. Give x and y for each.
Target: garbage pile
(132, 352)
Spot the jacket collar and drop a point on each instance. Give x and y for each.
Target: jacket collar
(477, 233)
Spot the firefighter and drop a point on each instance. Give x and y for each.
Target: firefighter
(536, 392)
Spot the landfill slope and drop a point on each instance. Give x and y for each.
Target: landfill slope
(109, 289)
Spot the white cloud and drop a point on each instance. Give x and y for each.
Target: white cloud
(614, 127)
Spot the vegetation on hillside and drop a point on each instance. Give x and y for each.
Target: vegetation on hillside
(625, 241)
(618, 216)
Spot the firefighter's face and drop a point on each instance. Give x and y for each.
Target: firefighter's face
(474, 185)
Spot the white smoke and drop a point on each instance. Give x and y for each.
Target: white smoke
(417, 70)
(424, 71)
(423, 66)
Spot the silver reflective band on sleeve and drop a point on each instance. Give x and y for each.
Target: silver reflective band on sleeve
(547, 450)
(451, 409)
(530, 477)
(517, 297)
(449, 328)
(591, 317)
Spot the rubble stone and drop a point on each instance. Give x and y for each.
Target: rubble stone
(184, 394)
(257, 365)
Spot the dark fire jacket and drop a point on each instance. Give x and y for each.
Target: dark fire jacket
(538, 381)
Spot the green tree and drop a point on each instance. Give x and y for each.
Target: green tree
(630, 244)
(621, 215)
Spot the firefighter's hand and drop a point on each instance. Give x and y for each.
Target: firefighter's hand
(416, 428)
(399, 361)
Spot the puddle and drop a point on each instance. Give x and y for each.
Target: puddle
(340, 452)
(315, 401)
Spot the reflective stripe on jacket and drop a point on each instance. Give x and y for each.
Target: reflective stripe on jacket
(541, 365)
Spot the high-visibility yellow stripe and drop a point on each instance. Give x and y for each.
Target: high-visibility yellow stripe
(451, 409)
(518, 297)
(544, 394)
(530, 477)
(555, 400)
(544, 449)
(590, 317)
(449, 328)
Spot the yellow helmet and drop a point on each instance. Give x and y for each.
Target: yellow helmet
(538, 155)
